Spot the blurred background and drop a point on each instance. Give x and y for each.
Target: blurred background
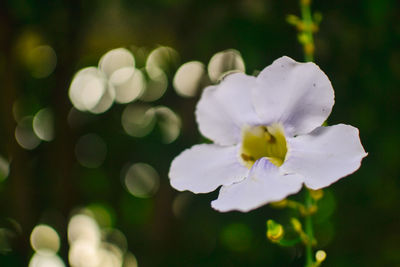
(97, 98)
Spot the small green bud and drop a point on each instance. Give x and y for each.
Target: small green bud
(303, 38)
(316, 194)
(297, 225)
(275, 231)
(279, 204)
(293, 20)
(309, 48)
(320, 256)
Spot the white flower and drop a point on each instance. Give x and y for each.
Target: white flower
(268, 138)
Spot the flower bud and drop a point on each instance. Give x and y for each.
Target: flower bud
(316, 194)
(293, 20)
(296, 225)
(320, 256)
(303, 38)
(280, 204)
(275, 231)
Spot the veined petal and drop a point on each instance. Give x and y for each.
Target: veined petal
(298, 95)
(202, 168)
(264, 184)
(325, 155)
(223, 109)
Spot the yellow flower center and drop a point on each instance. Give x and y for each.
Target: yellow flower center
(263, 141)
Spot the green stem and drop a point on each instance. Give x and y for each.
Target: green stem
(309, 231)
(308, 24)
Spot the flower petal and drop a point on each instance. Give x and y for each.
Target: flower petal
(264, 184)
(325, 155)
(202, 168)
(223, 109)
(298, 95)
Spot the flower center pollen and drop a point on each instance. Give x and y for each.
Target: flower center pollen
(263, 141)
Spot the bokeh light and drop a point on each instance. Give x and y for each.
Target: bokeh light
(105, 102)
(169, 123)
(129, 83)
(43, 124)
(141, 180)
(130, 260)
(109, 255)
(37, 57)
(116, 237)
(90, 91)
(225, 62)
(92, 246)
(90, 150)
(189, 78)
(27, 41)
(45, 239)
(83, 254)
(164, 58)
(157, 84)
(102, 213)
(116, 59)
(83, 227)
(4, 168)
(25, 135)
(138, 120)
(41, 61)
(46, 260)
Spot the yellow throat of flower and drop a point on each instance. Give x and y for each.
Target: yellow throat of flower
(263, 141)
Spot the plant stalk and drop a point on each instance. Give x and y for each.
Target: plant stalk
(308, 45)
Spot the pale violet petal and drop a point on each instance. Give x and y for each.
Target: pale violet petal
(223, 109)
(203, 168)
(325, 155)
(298, 95)
(264, 184)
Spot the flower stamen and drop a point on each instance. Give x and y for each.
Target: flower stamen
(263, 141)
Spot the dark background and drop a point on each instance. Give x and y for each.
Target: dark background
(357, 47)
